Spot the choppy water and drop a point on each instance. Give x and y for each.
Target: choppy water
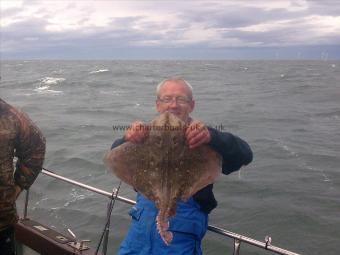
(289, 112)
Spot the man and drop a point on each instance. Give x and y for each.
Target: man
(19, 137)
(191, 219)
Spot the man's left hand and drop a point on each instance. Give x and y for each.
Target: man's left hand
(197, 134)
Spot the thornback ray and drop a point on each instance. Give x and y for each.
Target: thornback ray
(163, 168)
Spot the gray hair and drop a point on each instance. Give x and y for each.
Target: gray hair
(176, 79)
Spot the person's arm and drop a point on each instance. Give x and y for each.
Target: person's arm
(234, 151)
(137, 132)
(117, 142)
(30, 150)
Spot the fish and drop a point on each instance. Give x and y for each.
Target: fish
(163, 168)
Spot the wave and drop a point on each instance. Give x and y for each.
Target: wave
(45, 84)
(40, 88)
(332, 114)
(305, 160)
(46, 91)
(76, 195)
(112, 92)
(51, 80)
(100, 71)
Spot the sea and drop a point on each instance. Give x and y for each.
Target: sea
(288, 111)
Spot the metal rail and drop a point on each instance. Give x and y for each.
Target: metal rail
(238, 239)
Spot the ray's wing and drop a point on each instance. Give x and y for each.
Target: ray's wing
(120, 162)
(200, 167)
(135, 165)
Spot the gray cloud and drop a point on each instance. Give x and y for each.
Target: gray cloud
(324, 7)
(225, 22)
(235, 17)
(32, 35)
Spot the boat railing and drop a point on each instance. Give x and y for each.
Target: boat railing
(237, 238)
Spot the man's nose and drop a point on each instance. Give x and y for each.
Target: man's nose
(173, 103)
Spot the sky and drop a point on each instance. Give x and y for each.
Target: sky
(170, 29)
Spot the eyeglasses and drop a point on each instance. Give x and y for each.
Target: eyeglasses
(179, 100)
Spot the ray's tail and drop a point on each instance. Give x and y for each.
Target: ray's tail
(162, 221)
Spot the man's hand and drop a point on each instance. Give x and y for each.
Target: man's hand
(137, 132)
(197, 134)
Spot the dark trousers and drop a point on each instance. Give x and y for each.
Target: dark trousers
(7, 242)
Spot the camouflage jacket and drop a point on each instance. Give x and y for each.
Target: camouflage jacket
(20, 138)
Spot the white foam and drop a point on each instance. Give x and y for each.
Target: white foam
(75, 196)
(51, 80)
(57, 71)
(46, 83)
(100, 71)
(54, 91)
(41, 88)
(287, 149)
(46, 90)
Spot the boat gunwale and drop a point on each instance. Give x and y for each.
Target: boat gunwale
(238, 238)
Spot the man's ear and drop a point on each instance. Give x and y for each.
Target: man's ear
(158, 106)
(192, 106)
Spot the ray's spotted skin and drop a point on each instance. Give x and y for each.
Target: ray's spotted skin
(163, 168)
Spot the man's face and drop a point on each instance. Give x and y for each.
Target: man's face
(175, 97)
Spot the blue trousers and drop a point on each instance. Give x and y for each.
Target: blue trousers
(188, 227)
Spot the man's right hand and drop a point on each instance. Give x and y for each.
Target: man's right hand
(137, 132)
